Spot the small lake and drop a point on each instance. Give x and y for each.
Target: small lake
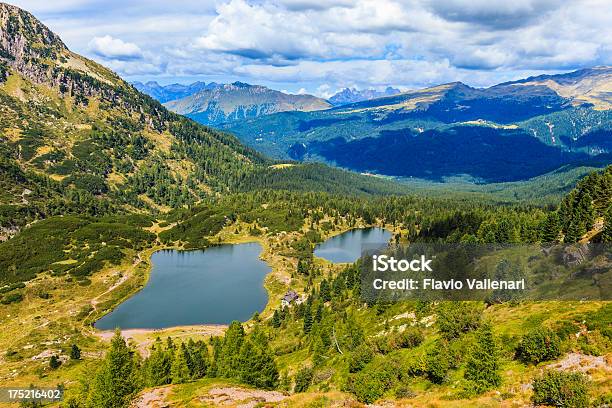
(212, 286)
(347, 246)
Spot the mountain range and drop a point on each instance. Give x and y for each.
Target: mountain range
(352, 95)
(237, 101)
(165, 93)
(214, 104)
(507, 132)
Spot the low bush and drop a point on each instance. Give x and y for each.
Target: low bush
(561, 389)
(303, 379)
(359, 358)
(539, 345)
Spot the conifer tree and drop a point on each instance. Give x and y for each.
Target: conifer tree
(319, 313)
(227, 361)
(180, 368)
(606, 235)
(575, 231)
(325, 291)
(199, 359)
(307, 319)
(115, 382)
(157, 368)
(54, 362)
(483, 366)
(276, 322)
(75, 352)
(585, 211)
(550, 228)
(257, 366)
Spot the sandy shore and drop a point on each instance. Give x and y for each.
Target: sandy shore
(143, 338)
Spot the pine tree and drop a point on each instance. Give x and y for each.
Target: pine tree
(75, 352)
(606, 235)
(180, 368)
(54, 362)
(157, 368)
(575, 231)
(276, 322)
(257, 366)
(325, 291)
(228, 353)
(550, 228)
(585, 211)
(307, 319)
(483, 366)
(116, 380)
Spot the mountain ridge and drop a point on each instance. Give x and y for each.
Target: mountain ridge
(567, 112)
(238, 100)
(78, 136)
(351, 95)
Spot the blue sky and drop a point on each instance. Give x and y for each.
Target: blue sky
(321, 46)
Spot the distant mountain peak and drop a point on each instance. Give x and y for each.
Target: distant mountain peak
(352, 95)
(239, 100)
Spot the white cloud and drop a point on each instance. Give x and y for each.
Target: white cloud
(114, 48)
(316, 44)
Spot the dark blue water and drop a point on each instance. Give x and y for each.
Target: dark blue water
(347, 246)
(213, 286)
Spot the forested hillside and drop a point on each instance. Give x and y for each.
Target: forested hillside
(77, 139)
(508, 132)
(95, 177)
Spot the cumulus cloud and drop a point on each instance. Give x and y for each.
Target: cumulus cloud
(325, 45)
(495, 14)
(114, 48)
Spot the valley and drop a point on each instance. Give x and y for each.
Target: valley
(119, 217)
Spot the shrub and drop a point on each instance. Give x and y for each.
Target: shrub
(371, 383)
(457, 318)
(12, 298)
(360, 358)
(437, 363)
(409, 338)
(561, 389)
(303, 379)
(404, 392)
(539, 345)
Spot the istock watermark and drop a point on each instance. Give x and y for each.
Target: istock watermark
(489, 272)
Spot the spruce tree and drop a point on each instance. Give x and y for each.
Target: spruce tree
(550, 228)
(257, 366)
(307, 319)
(606, 235)
(180, 368)
(75, 352)
(227, 361)
(483, 366)
(586, 212)
(325, 291)
(54, 362)
(115, 382)
(575, 231)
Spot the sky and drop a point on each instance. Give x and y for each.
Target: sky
(322, 46)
